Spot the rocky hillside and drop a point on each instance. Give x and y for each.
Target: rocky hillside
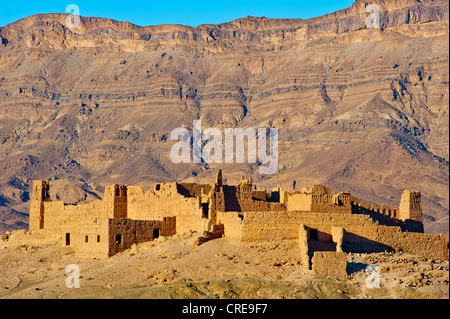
(177, 268)
(357, 109)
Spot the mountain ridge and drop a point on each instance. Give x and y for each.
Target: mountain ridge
(94, 106)
(393, 13)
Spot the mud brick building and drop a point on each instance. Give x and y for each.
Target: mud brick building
(327, 225)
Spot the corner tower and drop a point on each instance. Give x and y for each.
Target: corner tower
(411, 206)
(40, 194)
(115, 201)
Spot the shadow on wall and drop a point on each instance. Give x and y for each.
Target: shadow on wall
(384, 219)
(319, 241)
(354, 267)
(353, 243)
(376, 216)
(231, 201)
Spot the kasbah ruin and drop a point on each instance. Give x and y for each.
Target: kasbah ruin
(326, 225)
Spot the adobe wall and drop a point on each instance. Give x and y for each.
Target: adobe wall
(217, 204)
(57, 212)
(115, 201)
(279, 195)
(253, 205)
(299, 202)
(317, 203)
(88, 237)
(410, 206)
(303, 237)
(337, 234)
(427, 245)
(167, 202)
(54, 213)
(193, 189)
(340, 218)
(276, 226)
(230, 199)
(260, 195)
(35, 237)
(323, 199)
(46, 214)
(233, 224)
(97, 237)
(136, 231)
(360, 232)
(269, 226)
(384, 214)
(39, 194)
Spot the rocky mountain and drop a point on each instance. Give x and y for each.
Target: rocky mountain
(357, 108)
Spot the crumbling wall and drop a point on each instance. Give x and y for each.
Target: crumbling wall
(233, 199)
(57, 212)
(360, 232)
(303, 245)
(426, 245)
(260, 195)
(166, 201)
(252, 205)
(50, 215)
(39, 195)
(217, 203)
(123, 233)
(322, 199)
(269, 226)
(338, 237)
(279, 195)
(410, 206)
(330, 264)
(97, 237)
(193, 189)
(35, 237)
(323, 203)
(329, 216)
(115, 201)
(232, 224)
(54, 213)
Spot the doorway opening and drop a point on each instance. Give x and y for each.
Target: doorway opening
(119, 239)
(205, 210)
(313, 234)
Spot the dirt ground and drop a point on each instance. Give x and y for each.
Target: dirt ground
(174, 267)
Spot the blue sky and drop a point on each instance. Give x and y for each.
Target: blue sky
(192, 12)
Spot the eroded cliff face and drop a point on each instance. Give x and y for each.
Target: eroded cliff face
(357, 109)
